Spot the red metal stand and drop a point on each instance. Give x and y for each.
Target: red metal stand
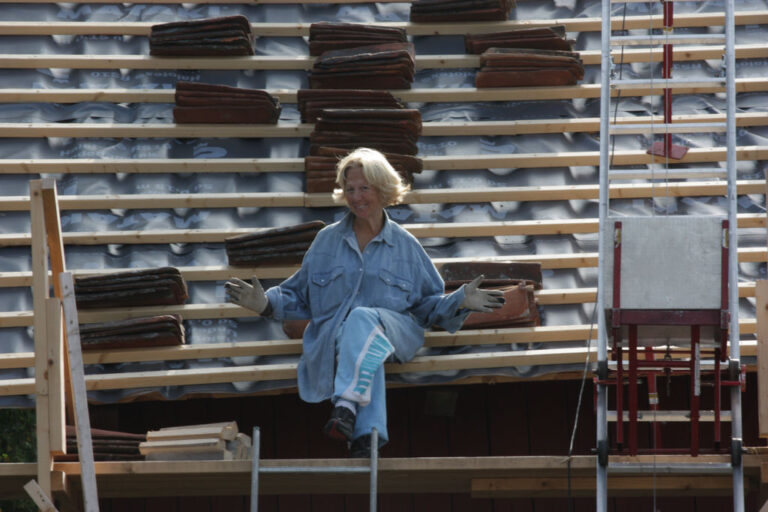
(659, 359)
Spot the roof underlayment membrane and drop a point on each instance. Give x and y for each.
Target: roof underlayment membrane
(14, 259)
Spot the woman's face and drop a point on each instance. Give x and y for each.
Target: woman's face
(363, 199)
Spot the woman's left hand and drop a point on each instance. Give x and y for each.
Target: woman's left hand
(484, 301)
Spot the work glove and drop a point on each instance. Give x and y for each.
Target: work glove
(484, 301)
(249, 296)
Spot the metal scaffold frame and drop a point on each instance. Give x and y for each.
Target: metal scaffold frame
(730, 279)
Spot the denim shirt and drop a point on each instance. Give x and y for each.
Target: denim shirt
(392, 274)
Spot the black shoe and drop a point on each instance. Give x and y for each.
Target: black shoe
(361, 447)
(341, 426)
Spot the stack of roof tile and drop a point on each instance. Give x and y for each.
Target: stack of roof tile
(380, 66)
(325, 36)
(229, 35)
(153, 331)
(511, 67)
(461, 10)
(205, 103)
(544, 38)
(320, 170)
(518, 282)
(388, 130)
(312, 101)
(147, 287)
(108, 445)
(277, 245)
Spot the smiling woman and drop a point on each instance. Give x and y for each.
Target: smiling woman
(370, 292)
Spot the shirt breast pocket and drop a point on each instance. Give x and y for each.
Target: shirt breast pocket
(327, 291)
(396, 291)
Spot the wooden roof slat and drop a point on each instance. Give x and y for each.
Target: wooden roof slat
(593, 24)
(225, 310)
(418, 95)
(446, 230)
(438, 129)
(419, 196)
(304, 62)
(435, 163)
(284, 371)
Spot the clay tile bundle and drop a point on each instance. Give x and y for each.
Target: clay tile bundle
(387, 130)
(460, 10)
(518, 282)
(326, 36)
(108, 445)
(380, 66)
(544, 38)
(153, 331)
(312, 101)
(229, 35)
(320, 170)
(285, 245)
(206, 103)
(513, 67)
(149, 287)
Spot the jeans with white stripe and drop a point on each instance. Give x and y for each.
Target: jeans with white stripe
(361, 349)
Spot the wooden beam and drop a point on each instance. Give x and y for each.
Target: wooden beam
(40, 295)
(619, 485)
(280, 130)
(287, 371)
(444, 230)
(82, 417)
(593, 24)
(40, 497)
(57, 383)
(263, 199)
(435, 163)
(761, 318)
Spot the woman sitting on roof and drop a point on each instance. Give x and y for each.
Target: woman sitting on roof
(370, 291)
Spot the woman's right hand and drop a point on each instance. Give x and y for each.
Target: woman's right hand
(249, 296)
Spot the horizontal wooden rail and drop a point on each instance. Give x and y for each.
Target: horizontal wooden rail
(438, 129)
(284, 371)
(434, 163)
(448, 94)
(594, 24)
(443, 230)
(298, 63)
(215, 311)
(419, 196)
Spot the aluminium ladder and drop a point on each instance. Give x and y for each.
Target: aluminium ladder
(609, 281)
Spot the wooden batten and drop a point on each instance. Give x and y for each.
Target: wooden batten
(761, 316)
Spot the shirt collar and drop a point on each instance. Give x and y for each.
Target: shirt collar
(387, 233)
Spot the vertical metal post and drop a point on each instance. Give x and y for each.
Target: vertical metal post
(255, 469)
(733, 268)
(601, 495)
(374, 491)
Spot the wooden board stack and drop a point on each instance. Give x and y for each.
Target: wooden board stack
(211, 441)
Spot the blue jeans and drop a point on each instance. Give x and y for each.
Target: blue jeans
(361, 349)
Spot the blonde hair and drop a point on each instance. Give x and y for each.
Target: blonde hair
(377, 171)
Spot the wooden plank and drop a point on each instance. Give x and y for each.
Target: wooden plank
(235, 200)
(226, 431)
(761, 317)
(82, 418)
(455, 94)
(620, 485)
(40, 294)
(281, 130)
(593, 24)
(40, 497)
(445, 230)
(284, 371)
(435, 163)
(57, 418)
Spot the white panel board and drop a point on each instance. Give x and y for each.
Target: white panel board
(670, 262)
